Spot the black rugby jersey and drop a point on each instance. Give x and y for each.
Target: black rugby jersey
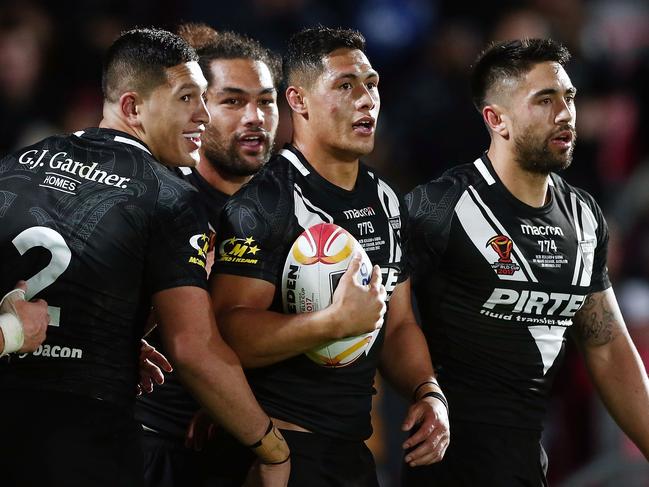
(169, 408)
(497, 283)
(96, 225)
(258, 226)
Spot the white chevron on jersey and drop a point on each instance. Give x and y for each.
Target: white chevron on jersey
(295, 160)
(390, 203)
(482, 169)
(515, 249)
(586, 240)
(480, 231)
(307, 213)
(549, 340)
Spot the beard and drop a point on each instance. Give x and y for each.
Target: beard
(225, 156)
(533, 153)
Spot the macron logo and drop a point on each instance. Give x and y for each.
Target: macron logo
(541, 230)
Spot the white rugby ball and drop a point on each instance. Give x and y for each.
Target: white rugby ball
(317, 260)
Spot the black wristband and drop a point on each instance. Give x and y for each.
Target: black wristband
(437, 395)
(257, 444)
(414, 394)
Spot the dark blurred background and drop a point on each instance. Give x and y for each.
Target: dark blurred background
(50, 68)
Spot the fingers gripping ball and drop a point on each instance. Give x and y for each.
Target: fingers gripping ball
(316, 262)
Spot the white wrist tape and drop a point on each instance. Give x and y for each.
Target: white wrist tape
(12, 331)
(10, 324)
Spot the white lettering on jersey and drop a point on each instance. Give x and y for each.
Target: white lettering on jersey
(353, 213)
(541, 230)
(546, 315)
(61, 163)
(54, 351)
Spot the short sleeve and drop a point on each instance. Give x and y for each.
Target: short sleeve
(178, 242)
(252, 231)
(599, 280)
(404, 268)
(430, 211)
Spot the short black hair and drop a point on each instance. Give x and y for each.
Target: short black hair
(137, 61)
(306, 50)
(511, 59)
(211, 45)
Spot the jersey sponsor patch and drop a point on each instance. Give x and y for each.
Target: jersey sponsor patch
(200, 243)
(239, 251)
(64, 173)
(502, 245)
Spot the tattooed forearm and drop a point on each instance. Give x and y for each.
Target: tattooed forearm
(598, 321)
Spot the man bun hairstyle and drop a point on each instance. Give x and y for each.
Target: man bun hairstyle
(137, 61)
(212, 45)
(511, 59)
(303, 61)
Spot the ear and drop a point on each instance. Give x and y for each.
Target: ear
(129, 104)
(496, 119)
(296, 100)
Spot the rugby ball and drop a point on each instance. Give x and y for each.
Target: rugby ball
(314, 265)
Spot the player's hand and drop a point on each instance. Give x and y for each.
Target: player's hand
(357, 308)
(152, 363)
(431, 439)
(201, 429)
(32, 314)
(265, 475)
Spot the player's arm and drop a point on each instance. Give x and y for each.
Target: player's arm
(262, 337)
(23, 324)
(405, 363)
(212, 371)
(614, 364)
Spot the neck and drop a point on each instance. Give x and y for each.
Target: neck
(219, 179)
(112, 120)
(337, 168)
(528, 187)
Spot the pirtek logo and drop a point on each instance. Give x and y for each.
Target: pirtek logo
(534, 302)
(543, 230)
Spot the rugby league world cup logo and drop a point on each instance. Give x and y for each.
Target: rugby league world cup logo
(502, 245)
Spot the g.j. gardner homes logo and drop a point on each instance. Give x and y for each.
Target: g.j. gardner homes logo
(502, 245)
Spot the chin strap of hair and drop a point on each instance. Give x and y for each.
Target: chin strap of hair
(271, 448)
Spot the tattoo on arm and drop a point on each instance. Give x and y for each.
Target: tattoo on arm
(597, 322)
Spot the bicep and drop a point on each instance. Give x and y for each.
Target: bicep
(230, 291)
(183, 314)
(599, 321)
(400, 308)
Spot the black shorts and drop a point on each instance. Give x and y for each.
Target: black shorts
(316, 461)
(484, 455)
(169, 463)
(63, 440)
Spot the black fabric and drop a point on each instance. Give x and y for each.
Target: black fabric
(486, 456)
(258, 226)
(316, 461)
(104, 226)
(497, 283)
(168, 463)
(169, 408)
(62, 440)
